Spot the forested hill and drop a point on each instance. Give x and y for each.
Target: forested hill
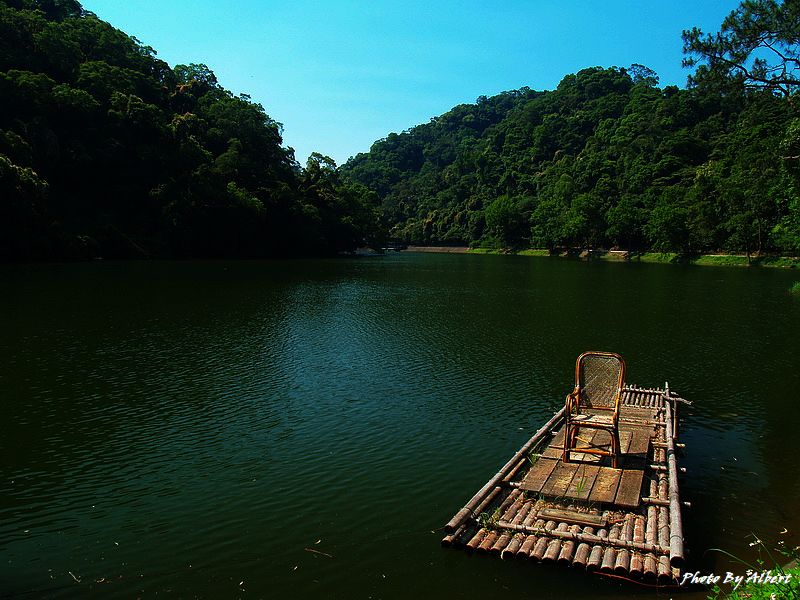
(107, 151)
(608, 159)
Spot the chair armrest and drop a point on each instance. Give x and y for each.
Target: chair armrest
(572, 402)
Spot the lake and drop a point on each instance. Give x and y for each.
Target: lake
(303, 428)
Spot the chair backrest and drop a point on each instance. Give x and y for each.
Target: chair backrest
(600, 376)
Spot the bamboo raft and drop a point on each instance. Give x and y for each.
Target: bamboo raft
(624, 521)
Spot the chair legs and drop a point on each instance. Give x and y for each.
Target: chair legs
(570, 434)
(570, 437)
(615, 449)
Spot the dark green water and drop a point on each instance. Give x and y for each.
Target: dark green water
(189, 429)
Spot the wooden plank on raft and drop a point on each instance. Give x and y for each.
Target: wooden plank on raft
(629, 492)
(538, 474)
(640, 443)
(624, 440)
(583, 440)
(559, 480)
(583, 482)
(558, 439)
(572, 516)
(605, 486)
(555, 448)
(638, 415)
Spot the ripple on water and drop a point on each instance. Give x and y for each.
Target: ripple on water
(228, 416)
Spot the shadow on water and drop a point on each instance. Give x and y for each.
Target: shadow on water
(197, 427)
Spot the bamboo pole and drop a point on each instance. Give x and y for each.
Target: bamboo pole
(650, 566)
(610, 553)
(466, 535)
(586, 537)
(554, 547)
(512, 497)
(510, 475)
(655, 501)
(664, 570)
(487, 542)
(582, 553)
(543, 542)
(664, 445)
(450, 538)
(596, 554)
(492, 496)
(637, 560)
(568, 548)
(664, 468)
(651, 533)
(530, 541)
(469, 509)
(624, 556)
(491, 536)
(515, 545)
(476, 540)
(663, 488)
(673, 432)
(663, 525)
(516, 513)
(675, 520)
(663, 538)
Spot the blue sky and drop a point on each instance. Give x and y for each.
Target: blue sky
(341, 74)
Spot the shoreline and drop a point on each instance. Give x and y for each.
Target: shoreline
(439, 249)
(711, 260)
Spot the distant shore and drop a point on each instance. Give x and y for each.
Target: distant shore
(717, 260)
(440, 249)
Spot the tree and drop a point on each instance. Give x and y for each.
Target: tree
(668, 227)
(757, 46)
(641, 74)
(504, 222)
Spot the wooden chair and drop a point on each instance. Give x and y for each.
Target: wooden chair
(594, 403)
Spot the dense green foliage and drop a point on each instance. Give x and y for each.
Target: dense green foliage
(107, 151)
(609, 159)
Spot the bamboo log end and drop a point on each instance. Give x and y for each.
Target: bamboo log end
(621, 567)
(457, 520)
(609, 560)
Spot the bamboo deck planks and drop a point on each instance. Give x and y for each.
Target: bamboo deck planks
(605, 486)
(560, 479)
(538, 474)
(583, 482)
(629, 493)
(640, 442)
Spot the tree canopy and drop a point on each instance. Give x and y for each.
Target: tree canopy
(107, 151)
